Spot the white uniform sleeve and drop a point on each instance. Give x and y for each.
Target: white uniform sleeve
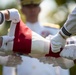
(70, 24)
(14, 15)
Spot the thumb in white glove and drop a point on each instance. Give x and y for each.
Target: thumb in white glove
(10, 60)
(57, 42)
(69, 51)
(49, 37)
(5, 40)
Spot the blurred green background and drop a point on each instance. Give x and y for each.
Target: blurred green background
(56, 11)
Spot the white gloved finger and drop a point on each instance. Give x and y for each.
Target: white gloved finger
(67, 54)
(7, 39)
(57, 42)
(49, 37)
(56, 47)
(69, 51)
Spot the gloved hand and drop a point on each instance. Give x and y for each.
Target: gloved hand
(57, 42)
(5, 40)
(10, 60)
(63, 63)
(69, 51)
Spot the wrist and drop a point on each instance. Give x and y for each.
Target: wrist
(64, 33)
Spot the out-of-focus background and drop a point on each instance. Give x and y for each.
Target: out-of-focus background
(53, 11)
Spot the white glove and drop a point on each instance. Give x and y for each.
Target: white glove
(6, 39)
(69, 51)
(10, 60)
(14, 15)
(63, 63)
(57, 42)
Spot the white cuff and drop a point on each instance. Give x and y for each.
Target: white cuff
(64, 32)
(14, 15)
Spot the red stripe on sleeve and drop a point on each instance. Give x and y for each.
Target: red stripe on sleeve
(22, 41)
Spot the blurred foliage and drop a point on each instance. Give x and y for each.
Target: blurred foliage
(60, 2)
(4, 28)
(8, 5)
(60, 14)
(73, 70)
(0, 70)
(63, 6)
